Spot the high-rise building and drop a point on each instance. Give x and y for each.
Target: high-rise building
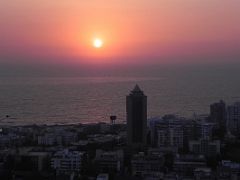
(218, 114)
(233, 118)
(136, 118)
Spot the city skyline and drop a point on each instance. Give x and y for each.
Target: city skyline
(112, 90)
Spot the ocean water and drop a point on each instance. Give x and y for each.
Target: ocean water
(58, 100)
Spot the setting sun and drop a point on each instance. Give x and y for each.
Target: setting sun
(97, 43)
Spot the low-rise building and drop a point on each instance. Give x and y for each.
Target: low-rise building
(66, 161)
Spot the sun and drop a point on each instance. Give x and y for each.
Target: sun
(97, 43)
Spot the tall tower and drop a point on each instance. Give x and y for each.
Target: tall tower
(136, 118)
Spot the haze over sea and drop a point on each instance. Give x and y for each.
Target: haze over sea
(66, 100)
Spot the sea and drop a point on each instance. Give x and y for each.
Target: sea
(73, 100)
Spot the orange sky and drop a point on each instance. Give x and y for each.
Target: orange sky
(132, 30)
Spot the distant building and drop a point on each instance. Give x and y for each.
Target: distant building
(170, 136)
(109, 161)
(233, 118)
(172, 131)
(136, 118)
(67, 161)
(57, 138)
(218, 114)
(205, 147)
(49, 139)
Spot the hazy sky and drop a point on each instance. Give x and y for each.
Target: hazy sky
(133, 31)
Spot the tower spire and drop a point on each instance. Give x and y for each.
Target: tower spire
(137, 88)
